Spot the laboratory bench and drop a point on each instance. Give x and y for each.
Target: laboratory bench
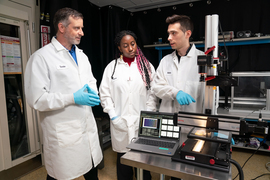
(163, 165)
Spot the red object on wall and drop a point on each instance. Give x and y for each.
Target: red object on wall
(45, 35)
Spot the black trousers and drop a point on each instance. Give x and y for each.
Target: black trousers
(125, 172)
(90, 175)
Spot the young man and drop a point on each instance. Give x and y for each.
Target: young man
(177, 77)
(59, 84)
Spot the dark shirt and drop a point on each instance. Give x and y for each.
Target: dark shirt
(179, 57)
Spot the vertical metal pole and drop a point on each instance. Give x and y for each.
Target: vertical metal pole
(208, 32)
(162, 177)
(138, 174)
(141, 174)
(268, 99)
(232, 96)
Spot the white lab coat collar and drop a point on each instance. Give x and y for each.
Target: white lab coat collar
(59, 47)
(189, 55)
(122, 61)
(191, 51)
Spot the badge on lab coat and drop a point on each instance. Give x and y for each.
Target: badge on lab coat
(63, 66)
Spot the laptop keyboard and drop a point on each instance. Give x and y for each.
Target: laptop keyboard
(155, 143)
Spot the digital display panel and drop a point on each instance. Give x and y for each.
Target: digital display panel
(150, 123)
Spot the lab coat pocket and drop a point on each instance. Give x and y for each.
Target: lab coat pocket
(196, 90)
(169, 77)
(69, 133)
(119, 124)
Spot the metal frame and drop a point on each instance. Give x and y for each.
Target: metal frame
(6, 161)
(247, 100)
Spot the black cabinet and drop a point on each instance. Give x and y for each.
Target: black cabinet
(103, 124)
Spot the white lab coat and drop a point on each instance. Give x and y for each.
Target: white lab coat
(125, 96)
(172, 77)
(70, 133)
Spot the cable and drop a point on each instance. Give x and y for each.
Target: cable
(248, 114)
(256, 149)
(253, 112)
(248, 159)
(261, 176)
(225, 47)
(240, 170)
(268, 168)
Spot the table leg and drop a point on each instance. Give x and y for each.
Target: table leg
(139, 174)
(162, 177)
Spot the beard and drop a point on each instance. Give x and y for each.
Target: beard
(72, 39)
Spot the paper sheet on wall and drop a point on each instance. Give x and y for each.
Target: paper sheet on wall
(11, 55)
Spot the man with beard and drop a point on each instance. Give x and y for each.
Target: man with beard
(59, 84)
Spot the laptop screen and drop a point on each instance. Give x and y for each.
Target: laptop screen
(150, 123)
(157, 124)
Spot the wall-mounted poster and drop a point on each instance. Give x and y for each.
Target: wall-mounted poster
(11, 55)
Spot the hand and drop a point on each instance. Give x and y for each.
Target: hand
(86, 96)
(184, 98)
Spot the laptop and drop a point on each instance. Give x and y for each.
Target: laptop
(158, 133)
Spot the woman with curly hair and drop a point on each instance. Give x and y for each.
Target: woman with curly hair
(125, 91)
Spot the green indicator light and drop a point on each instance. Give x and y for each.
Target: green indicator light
(163, 148)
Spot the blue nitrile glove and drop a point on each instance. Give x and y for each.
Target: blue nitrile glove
(224, 136)
(184, 98)
(115, 117)
(86, 96)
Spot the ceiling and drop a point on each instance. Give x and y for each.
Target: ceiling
(139, 5)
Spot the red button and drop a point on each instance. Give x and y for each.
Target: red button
(212, 161)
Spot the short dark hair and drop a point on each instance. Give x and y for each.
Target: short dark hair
(185, 22)
(62, 15)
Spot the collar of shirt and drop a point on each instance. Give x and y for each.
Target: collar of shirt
(72, 51)
(178, 56)
(128, 60)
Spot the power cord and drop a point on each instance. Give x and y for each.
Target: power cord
(252, 113)
(261, 176)
(248, 159)
(267, 165)
(240, 170)
(257, 148)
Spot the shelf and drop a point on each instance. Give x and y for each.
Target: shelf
(12, 73)
(199, 44)
(233, 42)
